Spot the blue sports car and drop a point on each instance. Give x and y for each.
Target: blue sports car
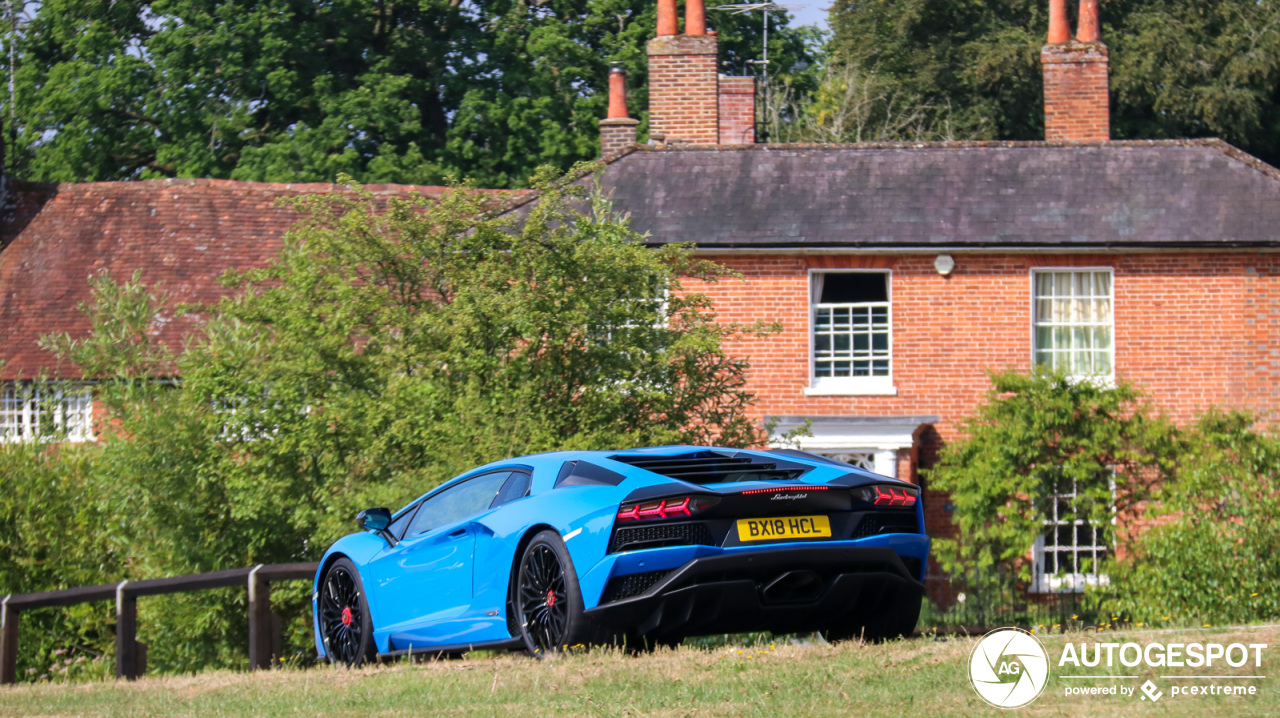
(638, 546)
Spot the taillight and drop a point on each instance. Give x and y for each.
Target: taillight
(776, 489)
(678, 507)
(890, 496)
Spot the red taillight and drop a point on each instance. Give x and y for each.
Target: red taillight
(773, 489)
(894, 496)
(662, 508)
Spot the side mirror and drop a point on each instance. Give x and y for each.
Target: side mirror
(374, 519)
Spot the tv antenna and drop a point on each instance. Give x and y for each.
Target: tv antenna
(764, 7)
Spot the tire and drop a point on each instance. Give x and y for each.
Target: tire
(546, 599)
(345, 625)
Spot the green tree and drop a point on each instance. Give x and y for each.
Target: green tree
(846, 103)
(286, 90)
(1037, 438)
(1180, 68)
(392, 345)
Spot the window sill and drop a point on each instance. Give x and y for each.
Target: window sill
(1071, 583)
(1101, 381)
(852, 390)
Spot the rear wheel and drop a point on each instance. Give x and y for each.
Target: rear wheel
(345, 625)
(546, 599)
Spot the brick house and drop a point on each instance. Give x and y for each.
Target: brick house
(901, 273)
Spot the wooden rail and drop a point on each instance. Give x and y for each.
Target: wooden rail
(131, 656)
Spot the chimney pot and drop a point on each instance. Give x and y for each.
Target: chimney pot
(667, 23)
(1059, 29)
(617, 93)
(1088, 30)
(695, 17)
(617, 131)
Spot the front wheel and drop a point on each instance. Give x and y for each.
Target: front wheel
(546, 600)
(345, 625)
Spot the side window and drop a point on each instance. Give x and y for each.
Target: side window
(457, 502)
(515, 488)
(397, 527)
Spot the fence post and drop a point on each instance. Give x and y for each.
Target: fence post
(8, 642)
(126, 633)
(260, 624)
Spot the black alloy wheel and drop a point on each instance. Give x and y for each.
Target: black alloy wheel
(543, 599)
(344, 616)
(546, 602)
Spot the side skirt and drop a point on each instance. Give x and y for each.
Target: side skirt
(506, 644)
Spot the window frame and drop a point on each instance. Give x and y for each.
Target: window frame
(1105, 379)
(71, 418)
(848, 385)
(1046, 583)
(605, 334)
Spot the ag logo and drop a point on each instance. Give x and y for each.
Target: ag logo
(1008, 668)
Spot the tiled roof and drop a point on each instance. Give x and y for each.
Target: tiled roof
(182, 235)
(1198, 193)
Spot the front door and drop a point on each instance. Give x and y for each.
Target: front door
(426, 578)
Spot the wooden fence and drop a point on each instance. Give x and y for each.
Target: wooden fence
(131, 656)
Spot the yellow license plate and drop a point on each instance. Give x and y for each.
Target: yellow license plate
(783, 528)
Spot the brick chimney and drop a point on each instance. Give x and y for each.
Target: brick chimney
(617, 129)
(689, 101)
(1076, 104)
(737, 110)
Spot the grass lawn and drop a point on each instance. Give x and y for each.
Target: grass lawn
(920, 677)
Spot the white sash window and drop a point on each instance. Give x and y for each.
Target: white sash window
(54, 411)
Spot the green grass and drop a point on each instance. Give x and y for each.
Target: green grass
(919, 677)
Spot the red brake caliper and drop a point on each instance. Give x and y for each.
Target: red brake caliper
(551, 599)
(346, 616)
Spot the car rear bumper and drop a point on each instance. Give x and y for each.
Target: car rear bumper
(794, 589)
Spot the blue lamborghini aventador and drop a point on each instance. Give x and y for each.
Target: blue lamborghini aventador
(638, 546)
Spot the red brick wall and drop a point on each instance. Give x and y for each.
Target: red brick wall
(1076, 105)
(737, 110)
(1193, 330)
(683, 88)
(617, 135)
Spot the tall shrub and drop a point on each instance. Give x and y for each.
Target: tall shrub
(1213, 554)
(392, 345)
(1038, 436)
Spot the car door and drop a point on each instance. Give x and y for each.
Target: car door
(427, 576)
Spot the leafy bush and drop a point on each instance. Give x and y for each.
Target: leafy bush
(59, 528)
(393, 344)
(1037, 436)
(1214, 556)
(1194, 507)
